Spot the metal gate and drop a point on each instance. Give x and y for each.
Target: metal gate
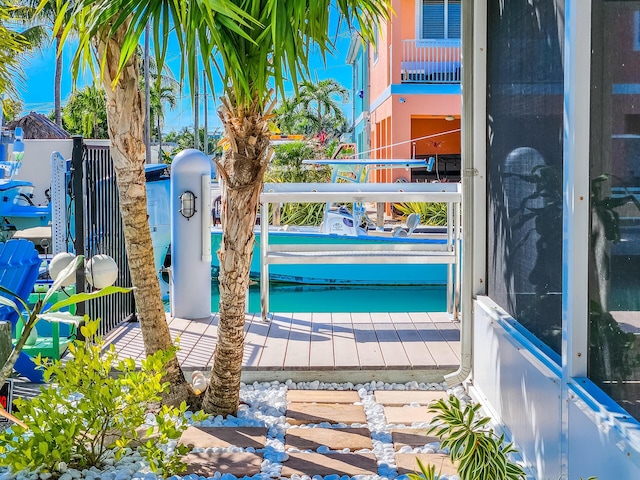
(97, 229)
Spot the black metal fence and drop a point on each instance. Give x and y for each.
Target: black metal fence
(98, 229)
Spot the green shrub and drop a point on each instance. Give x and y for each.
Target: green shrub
(479, 453)
(287, 167)
(434, 214)
(95, 410)
(427, 472)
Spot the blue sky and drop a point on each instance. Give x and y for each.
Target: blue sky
(37, 93)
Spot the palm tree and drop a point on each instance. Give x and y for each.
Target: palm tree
(252, 59)
(319, 103)
(86, 112)
(109, 32)
(13, 44)
(42, 17)
(163, 91)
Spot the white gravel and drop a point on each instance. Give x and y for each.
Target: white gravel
(264, 404)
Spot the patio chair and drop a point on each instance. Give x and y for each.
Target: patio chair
(19, 269)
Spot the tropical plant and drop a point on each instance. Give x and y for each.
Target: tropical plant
(163, 90)
(479, 453)
(255, 45)
(42, 15)
(108, 35)
(320, 103)
(11, 108)
(427, 472)
(95, 411)
(287, 166)
(12, 45)
(184, 139)
(431, 213)
(85, 113)
(314, 110)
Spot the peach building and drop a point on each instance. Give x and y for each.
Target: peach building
(407, 89)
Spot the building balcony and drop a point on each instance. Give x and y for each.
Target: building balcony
(430, 61)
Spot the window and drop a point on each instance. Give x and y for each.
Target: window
(525, 164)
(614, 257)
(441, 19)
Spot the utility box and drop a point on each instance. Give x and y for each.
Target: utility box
(190, 295)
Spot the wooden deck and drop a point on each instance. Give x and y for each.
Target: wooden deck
(336, 347)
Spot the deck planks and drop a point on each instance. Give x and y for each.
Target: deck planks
(326, 342)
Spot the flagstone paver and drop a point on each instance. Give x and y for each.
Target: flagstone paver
(330, 464)
(397, 398)
(239, 464)
(206, 437)
(411, 437)
(322, 396)
(333, 438)
(406, 462)
(407, 415)
(303, 413)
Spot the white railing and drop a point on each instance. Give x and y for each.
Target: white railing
(389, 253)
(430, 61)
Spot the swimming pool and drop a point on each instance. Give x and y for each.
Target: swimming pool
(340, 298)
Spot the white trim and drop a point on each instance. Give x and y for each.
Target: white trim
(576, 204)
(576, 185)
(480, 147)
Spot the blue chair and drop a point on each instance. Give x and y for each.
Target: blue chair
(19, 269)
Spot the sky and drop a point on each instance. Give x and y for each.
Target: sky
(37, 92)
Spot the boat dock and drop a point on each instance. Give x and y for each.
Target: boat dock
(335, 347)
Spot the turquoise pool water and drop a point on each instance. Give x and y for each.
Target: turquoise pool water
(313, 298)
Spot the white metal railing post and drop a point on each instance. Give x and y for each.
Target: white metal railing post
(451, 247)
(457, 247)
(58, 203)
(264, 265)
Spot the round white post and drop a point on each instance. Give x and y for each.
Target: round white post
(190, 295)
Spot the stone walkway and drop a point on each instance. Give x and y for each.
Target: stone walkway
(338, 445)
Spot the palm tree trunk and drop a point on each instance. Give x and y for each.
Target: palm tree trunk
(160, 157)
(125, 118)
(242, 168)
(57, 81)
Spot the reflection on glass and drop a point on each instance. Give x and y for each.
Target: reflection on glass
(524, 104)
(614, 265)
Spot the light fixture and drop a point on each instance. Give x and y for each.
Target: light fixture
(58, 263)
(101, 271)
(449, 118)
(188, 204)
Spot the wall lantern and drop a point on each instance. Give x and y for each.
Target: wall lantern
(187, 204)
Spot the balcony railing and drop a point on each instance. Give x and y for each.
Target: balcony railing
(430, 61)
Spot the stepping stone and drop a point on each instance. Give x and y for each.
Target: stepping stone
(406, 463)
(407, 415)
(206, 437)
(411, 437)
(239, 464)
(303, 413)
(398, 398)
(334, 438)
(322, 396)
(311, 464)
